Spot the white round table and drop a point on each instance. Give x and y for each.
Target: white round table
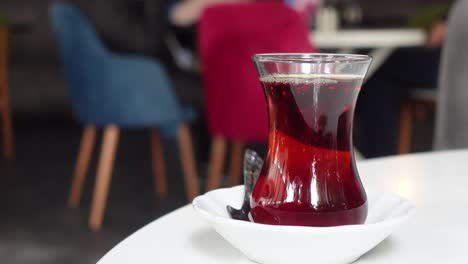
(382, 41)
(436, 183)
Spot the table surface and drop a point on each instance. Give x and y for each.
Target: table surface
(438, 232)
(368, 38)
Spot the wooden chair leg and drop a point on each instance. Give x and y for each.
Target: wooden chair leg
(216, 163)
(8, 145)
(104, 172)
(7, 128)
(82, 164)
(159, 170)
(421, 110)
(405, 128)
(235, 166)
(188, 161)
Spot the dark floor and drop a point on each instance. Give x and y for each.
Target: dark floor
(37, 227)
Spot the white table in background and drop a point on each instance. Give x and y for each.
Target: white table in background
(382, 42)
(436, 183)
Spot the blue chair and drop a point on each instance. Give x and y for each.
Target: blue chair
(113, 91)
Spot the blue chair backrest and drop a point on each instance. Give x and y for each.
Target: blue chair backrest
(78, 42)
(82, 52)
(109, 88)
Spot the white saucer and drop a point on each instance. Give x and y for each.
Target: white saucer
(269, 244)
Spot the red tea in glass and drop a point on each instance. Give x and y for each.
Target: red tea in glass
(309, 177)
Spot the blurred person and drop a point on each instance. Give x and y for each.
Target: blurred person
(129, 26)
(451, 121)
(305, 7)
(141, 27)
(185, 13)
(378, 105)
(183, 17)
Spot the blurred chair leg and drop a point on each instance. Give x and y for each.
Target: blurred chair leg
(82, 164)
(405, 128)
(8, 145)
(235, 166)
(159, 170)
(8, 148)
(216, 163)
(104, 172)
(188, 161)
(422, 110)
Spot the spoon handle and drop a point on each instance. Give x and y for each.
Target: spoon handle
(253, 164)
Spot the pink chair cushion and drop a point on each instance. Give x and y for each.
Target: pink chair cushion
(229, 34)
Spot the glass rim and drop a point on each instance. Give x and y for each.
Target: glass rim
(313, 58)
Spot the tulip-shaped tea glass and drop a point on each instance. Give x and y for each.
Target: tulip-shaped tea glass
(309, 177)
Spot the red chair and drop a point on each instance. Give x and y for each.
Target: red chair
(228, 35)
